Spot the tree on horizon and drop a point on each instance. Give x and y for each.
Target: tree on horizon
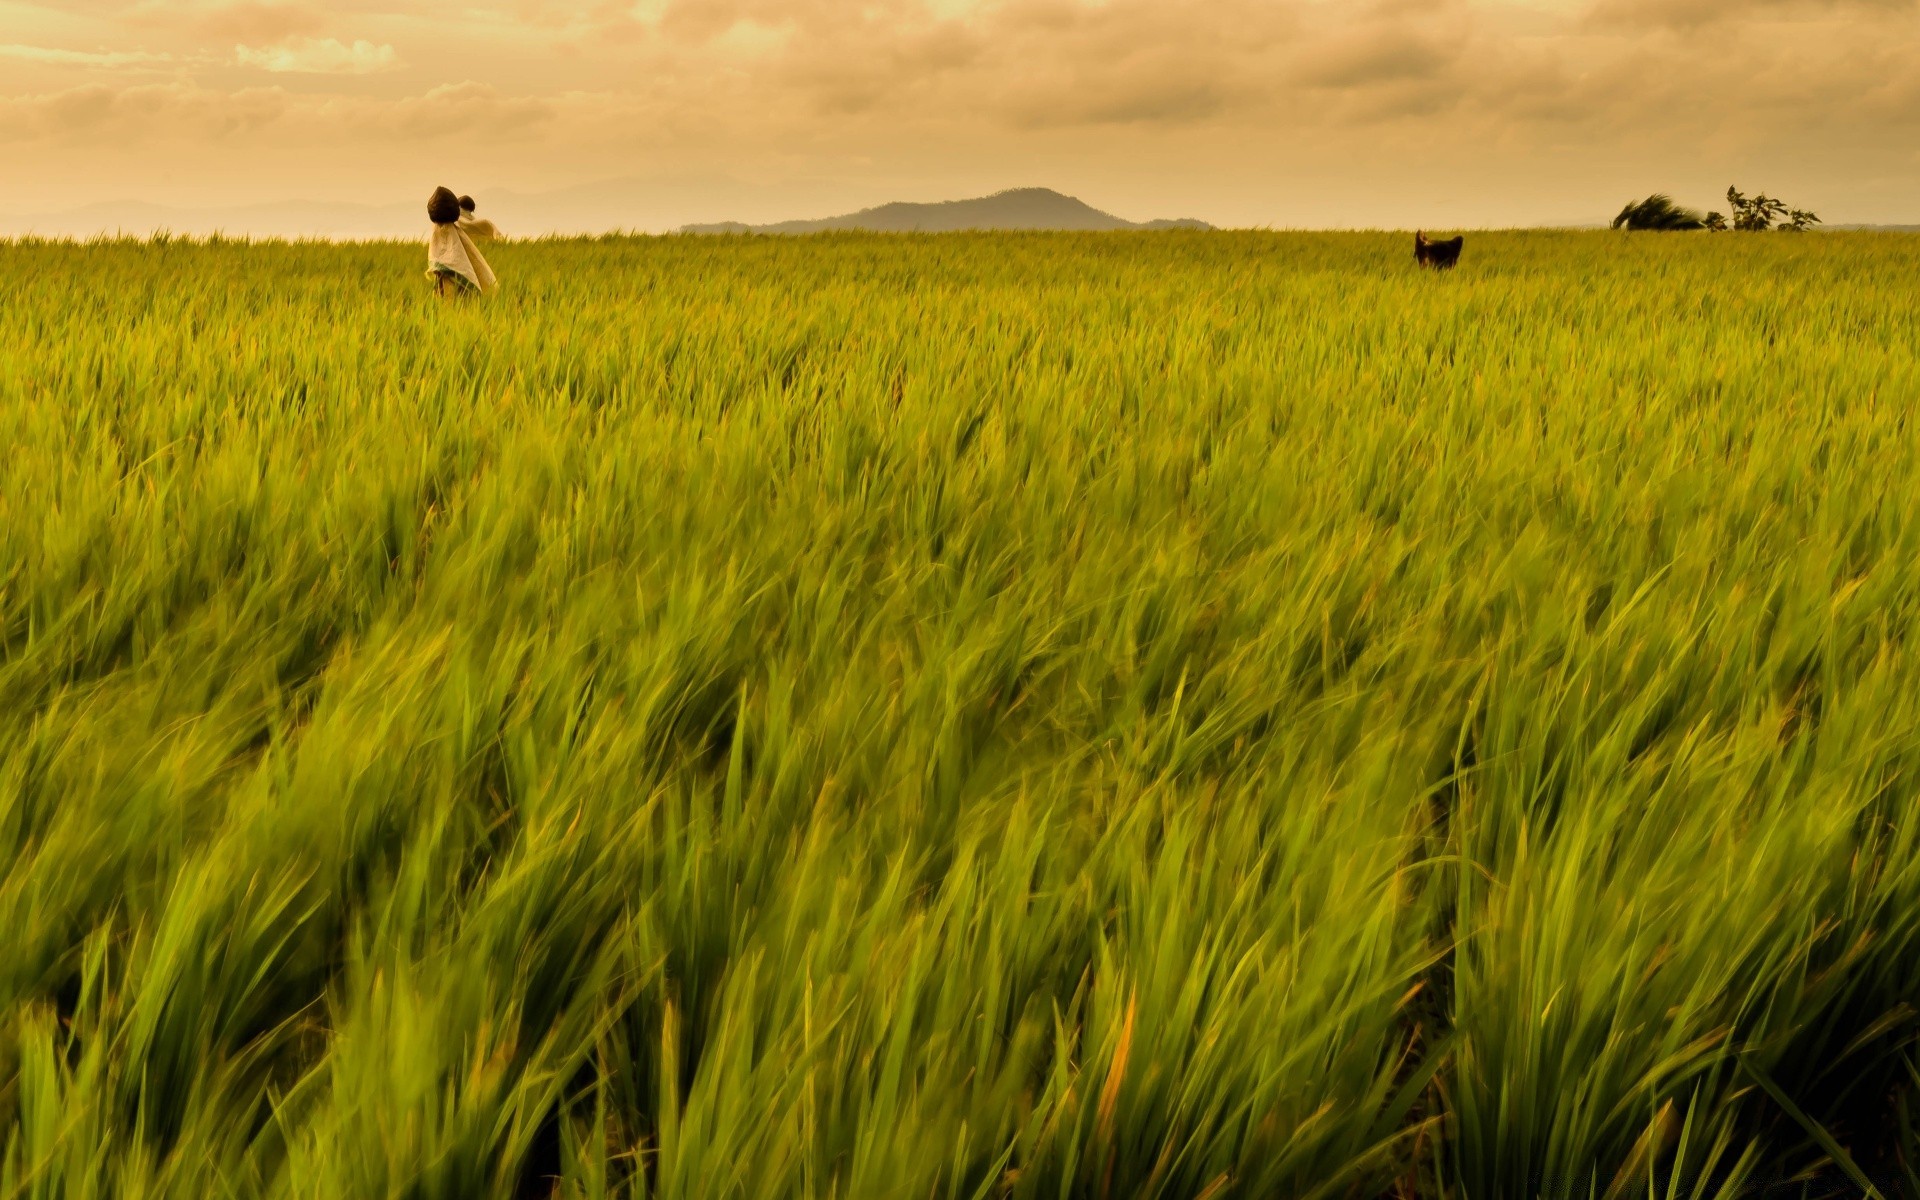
(1758, 213)
(1658, 212)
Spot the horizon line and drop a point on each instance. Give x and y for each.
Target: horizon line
(221, 237)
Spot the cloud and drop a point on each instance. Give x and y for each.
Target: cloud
(1693, 14)
(1008, 67)
(83, 58)
(1170, 93)
(98, 115)
(1037, 89)
(469, 105)
(1022, 63)
(1134, 61)
(878, 71)
(224, 22)
(312, 56)
(1380, 55)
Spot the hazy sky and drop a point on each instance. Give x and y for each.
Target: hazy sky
(1445, 113)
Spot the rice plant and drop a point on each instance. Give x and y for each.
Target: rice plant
(1123, 715)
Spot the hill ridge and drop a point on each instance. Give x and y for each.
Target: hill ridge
(1008, 209)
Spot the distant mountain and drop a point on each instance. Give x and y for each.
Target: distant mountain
(1881, 228)
(1020, 208)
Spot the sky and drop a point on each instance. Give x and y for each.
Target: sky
(648, 114)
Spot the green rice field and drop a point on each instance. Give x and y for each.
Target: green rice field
(1177, 716)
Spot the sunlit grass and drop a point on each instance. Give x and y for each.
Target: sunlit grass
(1162, 715)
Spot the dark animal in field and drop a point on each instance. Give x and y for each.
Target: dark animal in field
(1438, 255)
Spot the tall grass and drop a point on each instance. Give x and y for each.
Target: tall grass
(1181, 715)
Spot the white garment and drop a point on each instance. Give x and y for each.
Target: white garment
(451, 249)
(479, 227)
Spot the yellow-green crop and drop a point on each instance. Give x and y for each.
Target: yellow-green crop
(1108, 716)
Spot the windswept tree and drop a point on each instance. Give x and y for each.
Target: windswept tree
(1750, 214)
(1756, 215)
(1658, 212)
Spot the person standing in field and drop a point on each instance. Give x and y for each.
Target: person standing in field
(454, 263)
(478, 228)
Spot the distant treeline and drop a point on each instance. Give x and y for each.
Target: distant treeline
(1756, 214)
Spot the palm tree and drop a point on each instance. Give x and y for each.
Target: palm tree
(1658, 212)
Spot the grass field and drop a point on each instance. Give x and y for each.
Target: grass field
(1079, 716)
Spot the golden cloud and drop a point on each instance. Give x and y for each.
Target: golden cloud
(225, 22)
(1693, 14)
(816, 85)
(319, 56)
(83, 58)
(99, 114)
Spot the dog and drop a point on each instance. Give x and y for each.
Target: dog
(1439, 255)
